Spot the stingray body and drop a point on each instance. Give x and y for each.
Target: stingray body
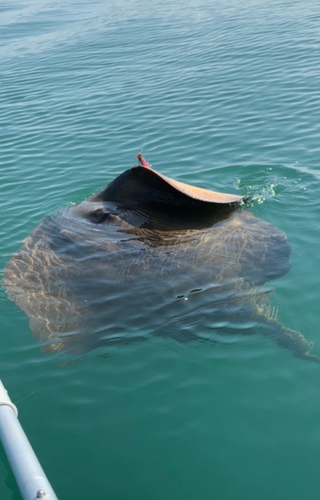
(150, 255)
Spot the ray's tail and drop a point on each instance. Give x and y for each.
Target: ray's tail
(290, 339)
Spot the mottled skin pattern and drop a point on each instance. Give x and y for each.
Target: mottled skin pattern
(97, 273)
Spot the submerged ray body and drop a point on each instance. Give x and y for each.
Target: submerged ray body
(149, 254)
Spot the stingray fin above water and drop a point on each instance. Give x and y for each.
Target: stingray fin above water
(143, 185)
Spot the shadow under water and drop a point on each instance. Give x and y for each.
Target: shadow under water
(119, 264)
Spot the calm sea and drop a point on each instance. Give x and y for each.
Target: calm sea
(222, 94)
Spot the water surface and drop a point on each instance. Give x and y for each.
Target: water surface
(224, 96)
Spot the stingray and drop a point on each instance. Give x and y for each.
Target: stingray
(149, 255)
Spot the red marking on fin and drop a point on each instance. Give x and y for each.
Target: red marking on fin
(142, 161)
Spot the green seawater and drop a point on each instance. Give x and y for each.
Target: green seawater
(225, 95)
